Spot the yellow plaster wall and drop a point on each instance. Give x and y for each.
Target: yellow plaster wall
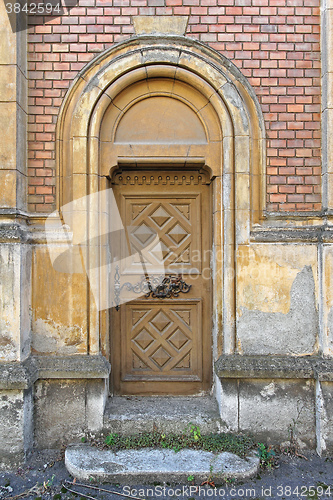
(266, 272)
(277, 299)
(59, 303)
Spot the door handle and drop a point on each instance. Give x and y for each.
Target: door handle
(156, 287)
(170, 286)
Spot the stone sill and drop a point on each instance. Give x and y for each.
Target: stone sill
(22, 375)
(274, 367)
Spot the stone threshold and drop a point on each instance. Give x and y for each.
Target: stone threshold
(169, 414)
(86, 463)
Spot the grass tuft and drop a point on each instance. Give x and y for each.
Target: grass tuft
(240, 444)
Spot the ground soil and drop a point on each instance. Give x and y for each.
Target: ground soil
(45, 477)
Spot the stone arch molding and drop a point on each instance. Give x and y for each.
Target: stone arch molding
(184, 60)
(223, 101)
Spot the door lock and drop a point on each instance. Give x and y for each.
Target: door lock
(162, 287)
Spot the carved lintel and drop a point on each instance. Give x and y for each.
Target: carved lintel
(155, 178)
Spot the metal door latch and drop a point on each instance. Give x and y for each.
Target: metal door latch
(157, 287)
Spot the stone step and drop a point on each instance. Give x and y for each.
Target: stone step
(148, 465)
(133, 414)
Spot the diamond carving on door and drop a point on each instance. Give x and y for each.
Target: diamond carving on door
(172, 223)
(161, 339)
(163, 346)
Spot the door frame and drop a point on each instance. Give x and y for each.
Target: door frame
(192, 387)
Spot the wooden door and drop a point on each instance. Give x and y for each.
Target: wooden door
(163, 345)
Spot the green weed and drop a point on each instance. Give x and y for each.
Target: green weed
(266, 455)
(194, 431)
(190, 438)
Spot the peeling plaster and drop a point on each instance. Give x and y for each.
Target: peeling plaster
(295, 332)
(268, 390)
(8, 348)
(330, 329)
(50, 337)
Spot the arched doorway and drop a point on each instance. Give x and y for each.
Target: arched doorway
(210, 125)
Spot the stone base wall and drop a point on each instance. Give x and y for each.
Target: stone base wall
(67, 409)
(278, 400)
(16, 426)
(46, 403)
(326, 421)
(271, 409)
(273, 399)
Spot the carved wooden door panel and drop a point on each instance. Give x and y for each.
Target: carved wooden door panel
(163, 345)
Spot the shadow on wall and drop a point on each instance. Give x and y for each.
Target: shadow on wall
(276, 333)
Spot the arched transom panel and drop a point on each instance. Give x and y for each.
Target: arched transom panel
(160, 120)
(154, 100)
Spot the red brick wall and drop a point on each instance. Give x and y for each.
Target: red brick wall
(275, 43)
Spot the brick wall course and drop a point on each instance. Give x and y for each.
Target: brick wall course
(274, 43)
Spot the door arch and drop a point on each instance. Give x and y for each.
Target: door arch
(90, 142)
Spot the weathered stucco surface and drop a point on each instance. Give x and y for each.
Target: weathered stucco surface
(10, 302)
(16, 426)
(276, 300)
(270, 408)
(63, 417)
(15, 298)
(59, 323)
(328, 299)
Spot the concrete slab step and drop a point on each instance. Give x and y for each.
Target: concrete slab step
(133, 414)
(150, 465)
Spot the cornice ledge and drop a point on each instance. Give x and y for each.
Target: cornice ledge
(22, 375)
(274, 367)
(322, 233)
